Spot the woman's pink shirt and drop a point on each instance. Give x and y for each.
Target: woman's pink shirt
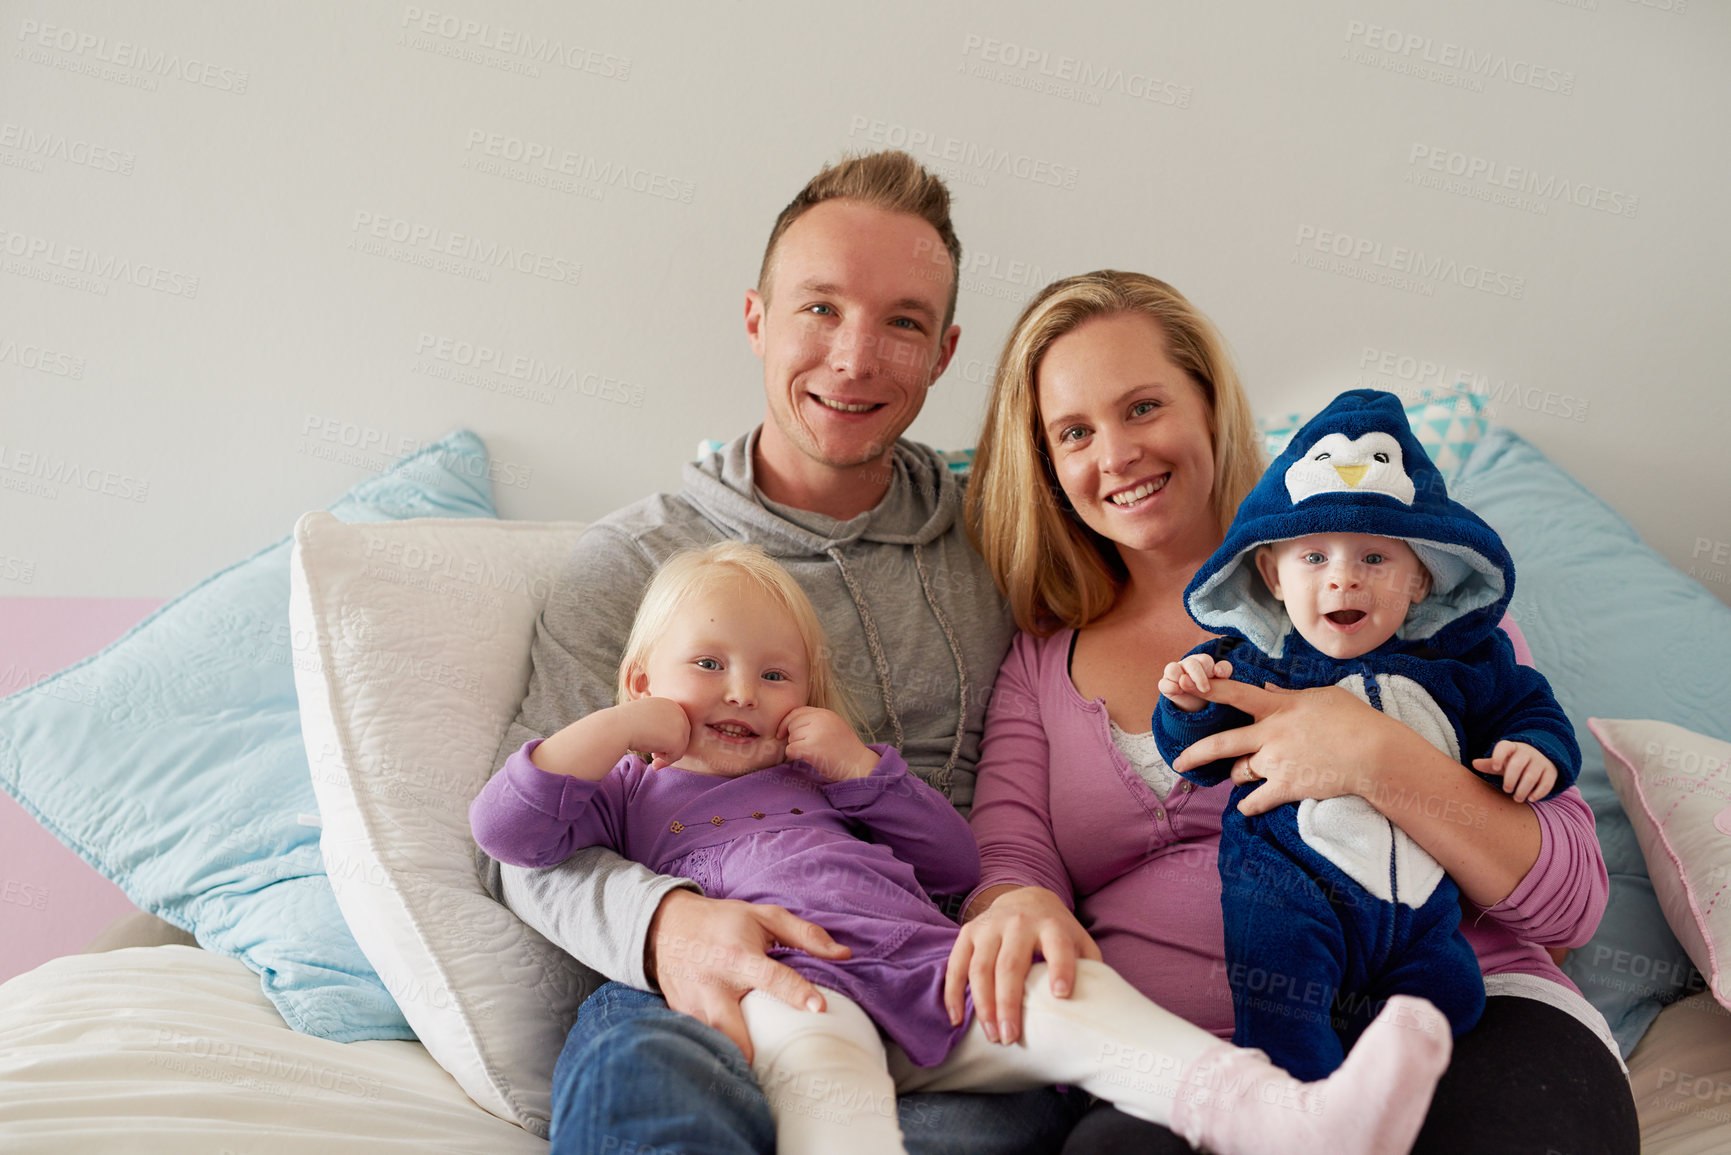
(1058, 805)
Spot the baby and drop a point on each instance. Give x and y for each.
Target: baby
(729, 761)
(1348, 565)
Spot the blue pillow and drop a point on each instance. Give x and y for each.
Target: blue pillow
(172, 762)
(1620, 633)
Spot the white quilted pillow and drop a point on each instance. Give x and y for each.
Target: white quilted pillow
(411, 658)
(1675, 785)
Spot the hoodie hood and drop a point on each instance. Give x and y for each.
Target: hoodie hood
(1356, 467)
(922, 504)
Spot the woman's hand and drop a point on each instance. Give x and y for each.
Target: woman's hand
(1294, 745)
(1322, 743)
(996, 947)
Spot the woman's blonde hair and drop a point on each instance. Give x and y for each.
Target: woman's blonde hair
(1055, 571)
(692, 572)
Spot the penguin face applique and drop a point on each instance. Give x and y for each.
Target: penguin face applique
(1358, 467)
(1370, 463)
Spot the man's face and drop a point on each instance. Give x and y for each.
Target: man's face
(851, 333)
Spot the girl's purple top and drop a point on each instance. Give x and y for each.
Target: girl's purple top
(1058, 805)
(785, 835)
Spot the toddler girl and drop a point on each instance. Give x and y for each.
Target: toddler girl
(729, 761)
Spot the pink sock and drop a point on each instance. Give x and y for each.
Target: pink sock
(1233, 1101)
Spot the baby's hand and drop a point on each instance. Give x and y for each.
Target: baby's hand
(658, 727)
(1184, 682)
(823, 738)
(1527, 774)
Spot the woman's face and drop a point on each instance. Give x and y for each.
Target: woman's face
(1129, 435)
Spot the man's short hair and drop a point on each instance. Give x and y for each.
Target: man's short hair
(890, 180)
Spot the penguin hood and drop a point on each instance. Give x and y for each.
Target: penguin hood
(1356, 467)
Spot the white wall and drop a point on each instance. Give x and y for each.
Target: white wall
(221, 184)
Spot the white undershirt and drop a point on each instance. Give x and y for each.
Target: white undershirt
(1144, 756)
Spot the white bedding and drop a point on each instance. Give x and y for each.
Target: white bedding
(172, 1049)
(175, 1050)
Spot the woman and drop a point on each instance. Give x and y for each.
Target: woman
(1117, 446)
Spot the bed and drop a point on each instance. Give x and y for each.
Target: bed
(354, 989)
(173, 1048)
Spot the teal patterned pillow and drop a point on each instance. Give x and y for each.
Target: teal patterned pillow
(1446, 422)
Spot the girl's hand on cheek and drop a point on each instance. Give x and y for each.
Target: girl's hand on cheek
(660, 727)
(824, 739)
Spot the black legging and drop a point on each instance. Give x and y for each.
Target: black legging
(1528, 1079)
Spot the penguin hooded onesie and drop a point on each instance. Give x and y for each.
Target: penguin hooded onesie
(1329, 906)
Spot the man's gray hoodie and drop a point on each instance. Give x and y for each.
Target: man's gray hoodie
(916, 627)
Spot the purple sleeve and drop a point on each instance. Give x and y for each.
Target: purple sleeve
(1012, 816)
(527, 816)
(1560, 901)
(917, 823)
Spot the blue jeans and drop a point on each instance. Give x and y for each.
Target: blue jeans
(638, 1078)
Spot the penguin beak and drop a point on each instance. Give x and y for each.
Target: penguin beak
(1351, 473)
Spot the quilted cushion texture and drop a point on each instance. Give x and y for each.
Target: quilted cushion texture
(419, 634)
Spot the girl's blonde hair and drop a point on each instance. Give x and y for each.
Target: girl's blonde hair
(1055, 571)
(692, 572)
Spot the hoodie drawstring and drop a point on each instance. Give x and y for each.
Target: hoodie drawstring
(941, 780)
(871, 633)
(943, 776)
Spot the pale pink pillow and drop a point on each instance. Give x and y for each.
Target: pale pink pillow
(1523, 654)
(1675, 786)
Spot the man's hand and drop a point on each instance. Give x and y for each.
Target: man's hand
(1527, 774)
(1183, 683)
(706, 953)
(824, 739)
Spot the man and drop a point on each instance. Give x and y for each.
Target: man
(852, 317)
